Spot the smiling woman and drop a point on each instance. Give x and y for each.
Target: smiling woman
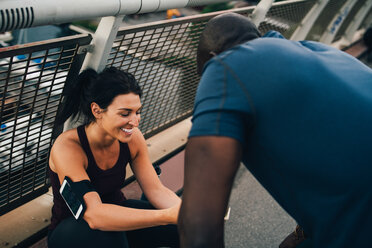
(122, 115)
(95, 155)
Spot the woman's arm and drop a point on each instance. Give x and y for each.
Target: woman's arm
(110, 217)
(68, 159)
(158, 195)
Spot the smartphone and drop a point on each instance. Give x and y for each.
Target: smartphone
(71, 199)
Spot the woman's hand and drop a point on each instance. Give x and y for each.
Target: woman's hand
(173, 213)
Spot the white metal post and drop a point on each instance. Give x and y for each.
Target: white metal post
(102, 42)
(337, 21)
(304, 28)
(347, 38)
(260, 11)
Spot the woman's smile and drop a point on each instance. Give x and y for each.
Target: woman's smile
(127, 131)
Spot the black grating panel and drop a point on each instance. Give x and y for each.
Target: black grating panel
(162, 58)
(32, 78)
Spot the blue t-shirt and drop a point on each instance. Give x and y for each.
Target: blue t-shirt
(303, 114)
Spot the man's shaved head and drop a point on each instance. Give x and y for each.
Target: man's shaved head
(222, 33)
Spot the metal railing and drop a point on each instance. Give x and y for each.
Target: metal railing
(161, 55)
(32, 78)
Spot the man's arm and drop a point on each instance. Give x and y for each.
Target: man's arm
(210, 166)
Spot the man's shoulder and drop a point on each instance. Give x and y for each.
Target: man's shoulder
(257, 51)
(273, 34)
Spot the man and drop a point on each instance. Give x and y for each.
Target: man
(298, 115)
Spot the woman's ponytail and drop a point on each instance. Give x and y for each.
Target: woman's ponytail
(75, 97)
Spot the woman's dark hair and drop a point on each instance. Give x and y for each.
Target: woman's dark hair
(100, 88)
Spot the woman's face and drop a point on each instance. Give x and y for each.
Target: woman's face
(121, 116)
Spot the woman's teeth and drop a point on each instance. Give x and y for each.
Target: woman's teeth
(127, 130)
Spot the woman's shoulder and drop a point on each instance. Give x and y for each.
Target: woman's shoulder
(70, 136)
(68, 141)
(67, 147)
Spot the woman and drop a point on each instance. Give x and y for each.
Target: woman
(99, 151)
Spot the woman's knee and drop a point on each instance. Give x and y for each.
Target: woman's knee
(77, 233)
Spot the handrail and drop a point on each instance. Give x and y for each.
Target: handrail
(16, 14)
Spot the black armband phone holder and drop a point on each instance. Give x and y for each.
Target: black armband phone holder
(73, 193)
(82, 187)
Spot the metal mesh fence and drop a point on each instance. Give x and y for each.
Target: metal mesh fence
(162, 56)
(285, 17)
(32, 78)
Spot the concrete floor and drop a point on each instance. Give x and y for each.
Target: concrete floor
(256, 220)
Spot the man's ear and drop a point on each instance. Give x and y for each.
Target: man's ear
(96, 110)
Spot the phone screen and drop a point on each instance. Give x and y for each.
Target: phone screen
(72, 201)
